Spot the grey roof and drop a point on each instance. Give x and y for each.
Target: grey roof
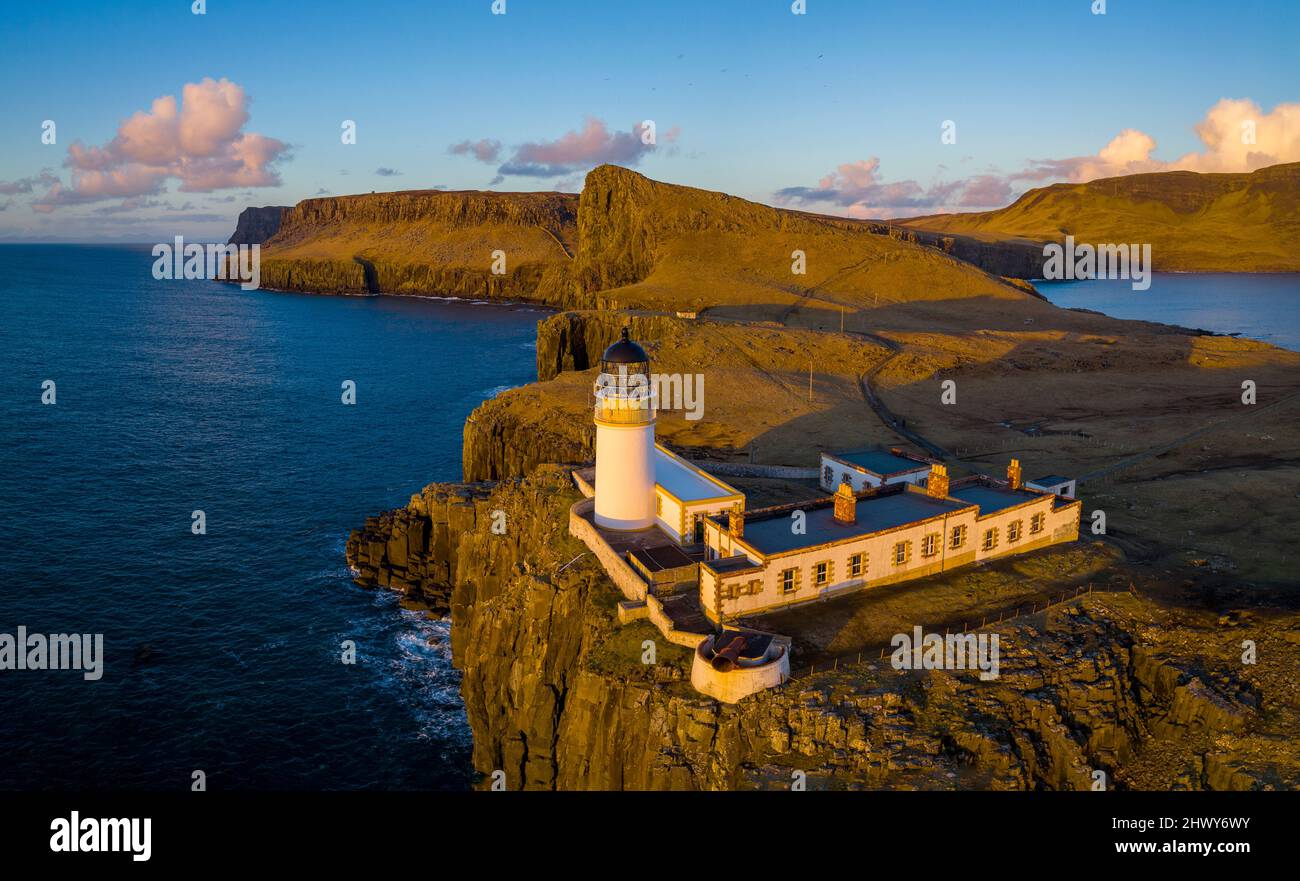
(993, 498)
(662, 557)
(738, 563)
(881, 462)
(772, 535)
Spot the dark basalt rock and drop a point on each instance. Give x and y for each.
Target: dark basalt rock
(256, 225)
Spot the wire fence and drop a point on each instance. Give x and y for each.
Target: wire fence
(878, 653)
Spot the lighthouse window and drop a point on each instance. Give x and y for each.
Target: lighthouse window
(857, 565)
(822, 574)
(789, 580)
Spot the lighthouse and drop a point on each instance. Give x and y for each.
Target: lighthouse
(625, 438)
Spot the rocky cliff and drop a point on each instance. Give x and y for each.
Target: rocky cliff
(627, 241)
(1009, 258)
(559, 696)
(515, 432)
(512, 246)
(256, 225)
(575, 340)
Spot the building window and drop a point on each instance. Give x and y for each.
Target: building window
(846, 477)
(957, 538)
(990, 538)
(751, 587)
(902, 552)
(930, 545)
(822, 574)
(1036, 523)
(828, 475)
(1013, 530)
(857, 565)
(789, 580)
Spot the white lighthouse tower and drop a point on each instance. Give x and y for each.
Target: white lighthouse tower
(625, 438)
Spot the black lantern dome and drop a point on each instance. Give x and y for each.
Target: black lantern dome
(625, 357)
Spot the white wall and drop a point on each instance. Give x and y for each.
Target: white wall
(625, 475)
(1059, 525)
(1066, 489)
(860, 479)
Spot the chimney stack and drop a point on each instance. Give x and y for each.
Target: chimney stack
(1013, 474)
(846, 505)
(736, 522)
(937, 485)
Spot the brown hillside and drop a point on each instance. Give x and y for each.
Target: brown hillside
(647, 244)
(1194, 222)
(423, 242)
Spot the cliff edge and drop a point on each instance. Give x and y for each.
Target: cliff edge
(256, 225)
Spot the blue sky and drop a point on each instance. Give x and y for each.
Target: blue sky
(838, 110)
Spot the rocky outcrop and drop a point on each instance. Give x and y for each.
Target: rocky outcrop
(575, 340)
(503, 438)
(558, 696)
(414, 550)
(256, 225)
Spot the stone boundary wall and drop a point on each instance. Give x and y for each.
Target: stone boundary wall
(661, 620)
(626, 579)
(622, 574)
(582, 479)
(745, 469)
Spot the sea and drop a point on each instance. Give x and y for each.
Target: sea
(1260, 306)
(224, 651)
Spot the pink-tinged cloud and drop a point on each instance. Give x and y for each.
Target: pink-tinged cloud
(199, 142)
(572, 152)
(1236, 134)
(857, 190)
